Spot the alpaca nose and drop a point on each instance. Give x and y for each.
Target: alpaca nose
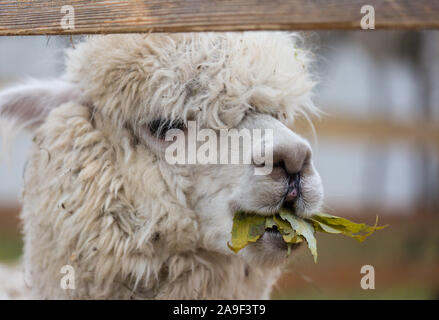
(285, 147)
(293, 153)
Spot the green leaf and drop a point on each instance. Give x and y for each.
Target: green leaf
(285, 230)
(270, 223)
(302, 228)
(246, 228)
(331, 224)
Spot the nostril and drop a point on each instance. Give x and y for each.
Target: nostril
(296, 179)
(293, 188)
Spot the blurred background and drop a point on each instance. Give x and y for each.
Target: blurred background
(376, 148)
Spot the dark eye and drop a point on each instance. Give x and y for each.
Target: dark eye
(159, 127)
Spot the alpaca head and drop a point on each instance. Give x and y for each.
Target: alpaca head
(156, 84)
(149, 87)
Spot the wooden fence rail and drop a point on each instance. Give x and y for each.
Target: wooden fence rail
(374, 130)
(111, 16)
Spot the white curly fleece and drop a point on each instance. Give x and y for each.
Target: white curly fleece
(128, 223)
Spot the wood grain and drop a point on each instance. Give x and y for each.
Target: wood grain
(44, 17)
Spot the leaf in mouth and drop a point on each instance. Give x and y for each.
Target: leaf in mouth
(288, 233)
(302, 228)
(331, 224)
(248, 227)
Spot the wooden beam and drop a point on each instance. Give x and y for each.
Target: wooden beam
(375, 130)
(44, 17)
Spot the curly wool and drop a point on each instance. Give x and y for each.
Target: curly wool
(212, 78)
(96, 200)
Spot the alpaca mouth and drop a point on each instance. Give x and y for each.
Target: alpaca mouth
(274, 236)
(269, 233)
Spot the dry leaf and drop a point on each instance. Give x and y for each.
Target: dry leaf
(248, 227)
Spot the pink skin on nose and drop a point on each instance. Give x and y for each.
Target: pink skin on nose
(292, 195)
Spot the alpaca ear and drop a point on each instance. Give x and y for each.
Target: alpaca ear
(27, 105)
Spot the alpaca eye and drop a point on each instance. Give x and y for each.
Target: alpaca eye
(159, 127)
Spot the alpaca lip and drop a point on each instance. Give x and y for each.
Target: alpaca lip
(274, 233)
(275, 237)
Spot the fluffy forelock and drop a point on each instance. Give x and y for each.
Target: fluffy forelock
(212, 78)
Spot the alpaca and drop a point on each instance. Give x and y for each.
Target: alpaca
(99, 195)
